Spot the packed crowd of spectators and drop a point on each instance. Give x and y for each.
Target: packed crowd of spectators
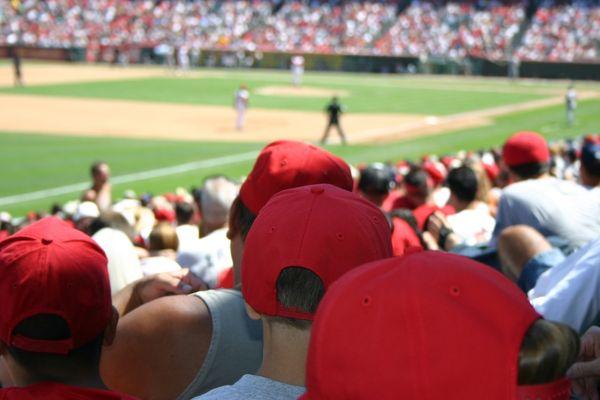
(85, 23)
(558, 32)
(563, 32)
(453, 29)
(348, 27)
(226, 291)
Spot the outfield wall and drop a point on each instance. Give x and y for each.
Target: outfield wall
(330, 62)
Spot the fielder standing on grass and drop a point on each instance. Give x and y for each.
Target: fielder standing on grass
(297, 70)
(571, 104)
(334, 110)
(241, 105)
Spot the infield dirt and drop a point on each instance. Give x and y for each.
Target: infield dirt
(71, 116)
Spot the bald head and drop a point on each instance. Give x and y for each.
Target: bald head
(216, 198)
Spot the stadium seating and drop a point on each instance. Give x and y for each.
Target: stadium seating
(563, 32)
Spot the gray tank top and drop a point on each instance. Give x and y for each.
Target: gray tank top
(236, 345)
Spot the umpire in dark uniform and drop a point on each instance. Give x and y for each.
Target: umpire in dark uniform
(334, 110)
(16, 60)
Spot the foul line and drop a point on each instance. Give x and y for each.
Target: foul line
(137, 176)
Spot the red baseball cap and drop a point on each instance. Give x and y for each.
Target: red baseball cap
(51, 268)
(286, 164)
(322, 228)
(429, 325)
(524, 148)
(436, 172)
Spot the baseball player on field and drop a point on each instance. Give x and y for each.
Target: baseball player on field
(297, 70)
(242, 95)
(571, 104)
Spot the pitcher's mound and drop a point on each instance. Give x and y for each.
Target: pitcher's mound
(302, 91)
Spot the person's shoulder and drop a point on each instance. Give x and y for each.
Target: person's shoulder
(172, 334)
(528, 187)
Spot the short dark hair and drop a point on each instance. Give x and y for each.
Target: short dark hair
(376, 179)
(95, 168)
(530, 170)
(184, 212)
(590, 160)
(298, 289)
(54, 367)
(418, 178)
(240, 219)
(462, 182)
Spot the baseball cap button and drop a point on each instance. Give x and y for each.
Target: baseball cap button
(46, 241)
(317, 190)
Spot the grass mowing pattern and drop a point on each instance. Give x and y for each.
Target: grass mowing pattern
(372, 95)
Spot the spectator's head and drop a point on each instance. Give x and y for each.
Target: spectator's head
(590, 164)
(100, 172)
(487, 175)
(436, 172)
(280, 165)
(56, 306)
(463, 185)
(303, 240)
(114, 220)
(216, 197)
(163, 237)
(466, 332)
(418, 186)
(184, 213)
(86, 212)
(526, 155)
(375, 182)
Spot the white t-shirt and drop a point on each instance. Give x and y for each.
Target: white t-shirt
(552, 206)
(155, 265)
(207, 257)
(570, 292)
(187, 234)
(473, 226)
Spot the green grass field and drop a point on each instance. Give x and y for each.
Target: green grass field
(366, 94)
(33, 162)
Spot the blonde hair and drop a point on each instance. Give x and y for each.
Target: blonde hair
(163, 237)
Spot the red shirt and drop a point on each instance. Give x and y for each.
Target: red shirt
(423, 212)
(58, 391)
(403, 202)
(403, 237)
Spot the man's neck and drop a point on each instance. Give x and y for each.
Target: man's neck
(284, 353)
(91, 380)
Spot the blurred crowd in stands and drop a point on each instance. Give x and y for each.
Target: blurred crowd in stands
(461, 191)
(310, 274)
(563, 32)
(455, 30)
(491, 29)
